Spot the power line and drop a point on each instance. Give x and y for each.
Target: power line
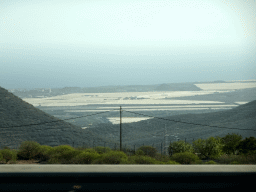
(128, 112)
(104, 139)
(99, 137)
(57, 120)
(187, 122)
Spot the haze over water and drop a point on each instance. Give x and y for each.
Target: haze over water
(90, 43)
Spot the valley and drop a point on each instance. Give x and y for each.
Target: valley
(141, 112)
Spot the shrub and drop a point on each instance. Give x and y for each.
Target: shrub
(142, 160)
(8, 155)
(247, 159)
(180, 147)
(12, 162)
(160, 162)
(198, 162)
(28, 150)
(85, 158)
(210, 148)
(90, 150)
(230, 143)
(227, 159)
(63, 153)
(128, 151)
(184, 158)
(163, 158)
(53, 160)
(148, 150)
(210, 162)
(248, 145)
(2, 158)
(139, 152)
(234, 162)
(102, 150)
(113, 157)
(82, 147)
(247, 153)
(44, 153)
(6, 147)
(172, 162)
(62, 148)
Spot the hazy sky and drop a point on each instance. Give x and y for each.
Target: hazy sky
(85, 43)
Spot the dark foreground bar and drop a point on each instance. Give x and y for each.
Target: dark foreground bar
(26, 178)
(124, 181)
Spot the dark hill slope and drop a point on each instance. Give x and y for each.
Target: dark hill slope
(16, 112)
(151, 131)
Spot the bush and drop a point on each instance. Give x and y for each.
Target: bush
(184, 158)
(148, 150)
(230, 143)
(63, 153)
(242, 159)
(180, 147)
(248, 145)
(139, 152)
(142, 160)
(6, 147)
(198, 162)
(163, 158)
(8, 155)
(247, 159)
(82, 147)
(172, 162)
(234, 162)
(62, 148)
(85, 158)
(12, 162)
(247, 153)
(128, 151)
(102, 150)
(90, 150)
(228, 159)
(210, 162)
(2, 160)
(160, 162)
(210, 148)
(113, 157)
(44, 153)
(28, 150)
(53, 160)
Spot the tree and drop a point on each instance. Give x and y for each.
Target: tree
(180, 147)
(230, 143)
(210, 148)
(148, 150)
(247, 146)
(28, 150)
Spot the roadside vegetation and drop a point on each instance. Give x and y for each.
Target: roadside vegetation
(230, 149)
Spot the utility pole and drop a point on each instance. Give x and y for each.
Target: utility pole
(120, 130)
